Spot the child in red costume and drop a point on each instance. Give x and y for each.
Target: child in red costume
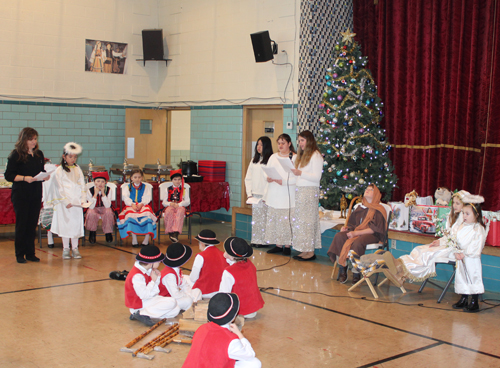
(241, 276)
(219, 343)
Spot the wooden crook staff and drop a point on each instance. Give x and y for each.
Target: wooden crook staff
(350, 209)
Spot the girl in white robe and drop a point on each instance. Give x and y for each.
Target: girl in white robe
(420, 264)
(67, 221)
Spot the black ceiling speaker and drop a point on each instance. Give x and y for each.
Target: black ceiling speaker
(262, 48)
(152, 44)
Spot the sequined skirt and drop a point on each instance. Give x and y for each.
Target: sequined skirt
(278, 227)
(306, 229)
(259, 220)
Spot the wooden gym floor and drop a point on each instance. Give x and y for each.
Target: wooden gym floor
(71, 314)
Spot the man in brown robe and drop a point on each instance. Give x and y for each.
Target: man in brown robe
(375, 232)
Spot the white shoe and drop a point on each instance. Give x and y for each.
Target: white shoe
(66, 254)
(76, 254)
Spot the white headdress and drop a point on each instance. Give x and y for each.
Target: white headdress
(72, 148)
(461, 194)
(471, 198)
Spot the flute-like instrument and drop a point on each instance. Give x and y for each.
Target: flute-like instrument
(145, 333)
(161, 344)
(153, 342)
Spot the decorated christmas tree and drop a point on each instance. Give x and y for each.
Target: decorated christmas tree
(352, 142)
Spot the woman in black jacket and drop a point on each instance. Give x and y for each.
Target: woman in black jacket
(24, 163)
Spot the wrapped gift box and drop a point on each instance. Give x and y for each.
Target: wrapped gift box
(441, 220)
(423, 219)
(399, 217)
(211, 170)
(492, 219)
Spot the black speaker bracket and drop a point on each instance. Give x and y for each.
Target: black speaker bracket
(274, 46)
(144, 60)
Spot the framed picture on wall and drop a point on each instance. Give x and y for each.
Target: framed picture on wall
(105, 57)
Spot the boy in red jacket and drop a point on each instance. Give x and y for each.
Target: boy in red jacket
(219, 343)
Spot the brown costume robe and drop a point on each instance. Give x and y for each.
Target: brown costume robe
(359, 245)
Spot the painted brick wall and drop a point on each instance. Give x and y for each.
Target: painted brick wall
(99, 129)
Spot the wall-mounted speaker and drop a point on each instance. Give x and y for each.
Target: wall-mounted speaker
(152, 44)
(262, 49)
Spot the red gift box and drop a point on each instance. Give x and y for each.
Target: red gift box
(212, 171)
(493, 237)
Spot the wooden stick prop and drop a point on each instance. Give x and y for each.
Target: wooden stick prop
(154, 342)
(183, 341)
(161, 342)
(350, 209)
(141, 336)
(161, 347)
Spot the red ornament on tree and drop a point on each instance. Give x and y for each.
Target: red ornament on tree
(344, 47)
(350, 61)
(363, 155)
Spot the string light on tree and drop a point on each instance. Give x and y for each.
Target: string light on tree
(352, 142)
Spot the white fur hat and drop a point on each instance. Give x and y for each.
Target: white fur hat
(72, 148)
(461, 194)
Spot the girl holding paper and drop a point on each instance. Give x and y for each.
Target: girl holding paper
(255, 184)
(25, 162)
(308, 169)
(71, 195)
(280, 198)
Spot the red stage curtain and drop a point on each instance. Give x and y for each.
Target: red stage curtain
(437, 68)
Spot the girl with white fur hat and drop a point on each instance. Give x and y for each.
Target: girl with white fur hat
(71, 194)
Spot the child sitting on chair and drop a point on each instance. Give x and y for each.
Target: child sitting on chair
(175, 203)
(219, 343)
(173, 283)
(142, 292)
(137, 218)
(100, 198)
(208, 265)
(241, 276)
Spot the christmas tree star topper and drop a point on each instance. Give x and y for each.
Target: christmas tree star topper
(347, 36)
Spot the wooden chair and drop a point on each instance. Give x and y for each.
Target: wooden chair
(380, 266)
(162, 189)
(148, 187)
(374, 246)
(112, 189)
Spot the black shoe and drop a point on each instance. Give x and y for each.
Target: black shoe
(109, 238)
(296, 257)
(287, 251)
(462, 303)
(355, 278)
(473, 306)
(135, 245)
(144, 319)
(308, 259)
(50, 245)
(21, 260)
(275, 250)
(92, 236)
(118, 275)
(343, 274)
(33, 258)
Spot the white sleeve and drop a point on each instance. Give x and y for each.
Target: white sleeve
(165, 201)
(314, 175)
(62, 197)
(83, 187)
(475, 247)
(248, 180)
(195, 271)
(186, 196)
(144, 291)
(91, 199)
(226, 283)
(126, 196)
(146, 196)
(240, 349)
(170, 282)
(106, 199)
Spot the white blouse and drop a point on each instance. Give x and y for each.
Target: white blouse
(311, 173)
(255, 180)
(280, 196)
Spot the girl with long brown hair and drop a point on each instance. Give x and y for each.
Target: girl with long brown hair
(308, 170)
(24, 163)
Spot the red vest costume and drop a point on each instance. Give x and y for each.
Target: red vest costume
(209, 348)
(166, 270)
(214, 264)
(245, 286)
(132, 300)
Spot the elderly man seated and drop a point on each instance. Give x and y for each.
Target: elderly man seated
(366, 225)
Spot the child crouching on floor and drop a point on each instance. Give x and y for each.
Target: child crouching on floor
(173, 283)
(240, 276)
(219, 343)
(142, 292)
(208, 265)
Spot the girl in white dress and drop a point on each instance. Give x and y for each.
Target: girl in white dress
(67, 221)
(255, 185)
(470, 240)
(420, 264)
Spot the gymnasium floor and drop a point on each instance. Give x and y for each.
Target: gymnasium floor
(70, 314)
